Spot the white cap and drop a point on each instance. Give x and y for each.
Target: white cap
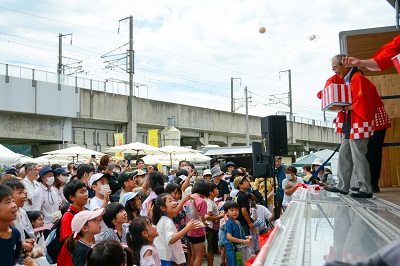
(207, 172)
(94, 178)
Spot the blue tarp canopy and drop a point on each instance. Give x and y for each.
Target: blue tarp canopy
(308, 159)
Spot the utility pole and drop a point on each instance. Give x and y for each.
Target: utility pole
(290, 104)
(247, 117)
(60, 65)
(130, 71)
(232, 99)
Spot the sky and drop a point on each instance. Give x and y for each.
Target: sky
(187, 51)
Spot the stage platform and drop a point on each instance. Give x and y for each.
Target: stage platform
(320, 226)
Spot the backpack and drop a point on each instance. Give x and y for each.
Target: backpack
(53, 243)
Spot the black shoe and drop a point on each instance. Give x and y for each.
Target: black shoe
(361, 195)
(355, 188)
(335, 190)
(375, 188)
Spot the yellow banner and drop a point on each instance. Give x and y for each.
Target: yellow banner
(119, 139)
(152, 137)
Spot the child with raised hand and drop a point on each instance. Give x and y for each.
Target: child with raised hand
(99, 183)
(234, 232)
(167, 242)
(109, 252)
(140, 240)
(85, 225)
(180, 220)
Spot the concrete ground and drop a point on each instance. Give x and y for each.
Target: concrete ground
(217, 260)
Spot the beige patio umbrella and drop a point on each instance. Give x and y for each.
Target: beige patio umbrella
(73, 153)
(178, 152)
(137, 148)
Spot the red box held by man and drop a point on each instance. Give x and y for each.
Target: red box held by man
(335, 94)
(396, 62)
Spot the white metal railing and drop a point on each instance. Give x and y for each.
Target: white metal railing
(108, 86)
(51, 77)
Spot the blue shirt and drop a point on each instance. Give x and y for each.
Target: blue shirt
(10, 248)
(235, 229)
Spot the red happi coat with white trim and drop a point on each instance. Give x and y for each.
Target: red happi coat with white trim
(368, 112)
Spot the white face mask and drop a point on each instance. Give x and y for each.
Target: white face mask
(50, 180)
(316, 168)
(103, 189)
(117, 171)
(289, 176)
(63, 178)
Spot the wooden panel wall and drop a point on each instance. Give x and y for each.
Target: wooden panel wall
(389, 85)
(365, 45)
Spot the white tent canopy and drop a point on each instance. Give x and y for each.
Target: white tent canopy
(8, 157)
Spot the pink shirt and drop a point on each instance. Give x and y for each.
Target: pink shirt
(202, 209)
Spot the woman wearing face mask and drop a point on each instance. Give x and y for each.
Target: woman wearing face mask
(60, 178)
(46, 198)
(289, 183)
(107, 162)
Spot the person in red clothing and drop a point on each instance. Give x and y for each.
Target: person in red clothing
(375, 142)
(380, 61)
(76, 193)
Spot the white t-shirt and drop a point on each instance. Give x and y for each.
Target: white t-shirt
(30, 189)
(46, 201)
(96, 203)
(153, 260)
(166, 229)
(213, 208)
(261, 213)
(299, 180)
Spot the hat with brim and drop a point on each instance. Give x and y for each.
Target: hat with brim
(237, 181)
(230, 163)
(129, 196)
(207, 172)
(82, 217)
(317, 161)
(94, 178)
(45, 170)
(216, 171)
(123, 177)
(61, 171)
(234, 173)
(138, 172)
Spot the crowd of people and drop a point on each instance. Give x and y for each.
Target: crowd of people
(113, 213)
(139, 215)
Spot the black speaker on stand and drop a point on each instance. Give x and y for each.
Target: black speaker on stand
(273, 143)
